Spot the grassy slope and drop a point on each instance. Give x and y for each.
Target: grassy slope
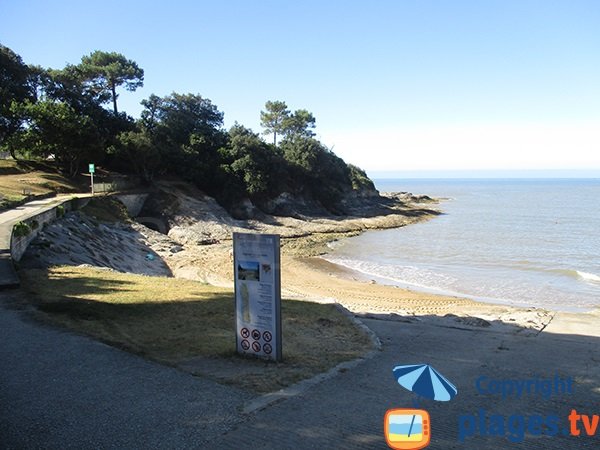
(172, 320)
(20, 180)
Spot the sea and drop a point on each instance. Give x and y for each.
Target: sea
(522, 242)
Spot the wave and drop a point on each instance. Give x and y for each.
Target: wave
(577, 274)
(588, 276)
(571, 273)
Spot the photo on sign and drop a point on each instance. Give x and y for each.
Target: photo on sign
(248, 271)
(266, 273)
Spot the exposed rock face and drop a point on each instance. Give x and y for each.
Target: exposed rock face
(199, 228)
(407, 197)
(289, 205)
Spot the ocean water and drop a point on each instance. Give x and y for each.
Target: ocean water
(525, 242)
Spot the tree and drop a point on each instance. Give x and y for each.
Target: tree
(300, 123)
(277, 119)
(273, 119)
(178, 116)
(104, 71)
(257, 168)
(316, 170)
(139, 150)
(187, 130)
(56, 129)
(16, 86)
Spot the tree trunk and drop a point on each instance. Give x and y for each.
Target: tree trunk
(114, 96)
(13, 152)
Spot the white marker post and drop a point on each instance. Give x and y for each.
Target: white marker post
(92, 169)
(257, 272)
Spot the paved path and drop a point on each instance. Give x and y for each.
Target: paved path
(347, 411)
(61, 390)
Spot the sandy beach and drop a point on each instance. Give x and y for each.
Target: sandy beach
(316, 279)
(305, 274)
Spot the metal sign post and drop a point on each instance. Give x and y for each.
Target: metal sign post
(257, 272)
(92, 169)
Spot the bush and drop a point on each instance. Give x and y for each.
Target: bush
(21, 229)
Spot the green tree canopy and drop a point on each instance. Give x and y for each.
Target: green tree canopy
(273, 119)
(300, 123)
(188, 130)
(258, 170)
(277, 119)
(16, 86)
(104, 71)
(56, 129)
(139, 151)
(62, 114)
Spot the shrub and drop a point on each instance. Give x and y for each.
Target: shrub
(21, 229)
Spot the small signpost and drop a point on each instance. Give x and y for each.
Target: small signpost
(256, 259)
(92, 169)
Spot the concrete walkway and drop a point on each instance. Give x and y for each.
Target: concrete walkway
(61, 390)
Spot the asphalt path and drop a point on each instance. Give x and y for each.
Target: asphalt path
(61, 390)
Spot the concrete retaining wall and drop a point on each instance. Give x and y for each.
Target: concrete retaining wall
(35, 223)
(133, 202)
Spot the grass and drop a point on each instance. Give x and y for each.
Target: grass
(21, 180)
(191, 325)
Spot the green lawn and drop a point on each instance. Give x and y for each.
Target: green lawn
(20, 180)
(176, 321)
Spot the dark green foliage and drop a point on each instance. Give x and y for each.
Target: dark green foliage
(60, 114)
(277, 119)
(317, 171)
(21, 229)
(63, 119)
(273, 119)
(102, 72)
(360, 180)
(16, 86)
(139, 152)
(56, 129)
(251, 167)
(186, 128)
(300, 123)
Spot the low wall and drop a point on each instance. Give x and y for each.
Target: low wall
(133, 202)
(27, 229)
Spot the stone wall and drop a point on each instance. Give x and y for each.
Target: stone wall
(27, 229)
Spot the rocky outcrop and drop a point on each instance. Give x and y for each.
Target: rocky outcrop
(198, 228)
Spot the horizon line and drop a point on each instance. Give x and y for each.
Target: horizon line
(485, 173)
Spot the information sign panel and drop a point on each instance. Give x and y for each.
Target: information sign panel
(256, 259)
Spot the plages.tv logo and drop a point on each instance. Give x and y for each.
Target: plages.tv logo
(410, 428)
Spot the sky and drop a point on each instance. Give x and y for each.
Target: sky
(395, 85)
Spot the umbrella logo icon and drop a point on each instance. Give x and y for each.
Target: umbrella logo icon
(410, 429)
(425, 381)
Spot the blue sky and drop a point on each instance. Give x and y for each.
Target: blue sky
(394, 85)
